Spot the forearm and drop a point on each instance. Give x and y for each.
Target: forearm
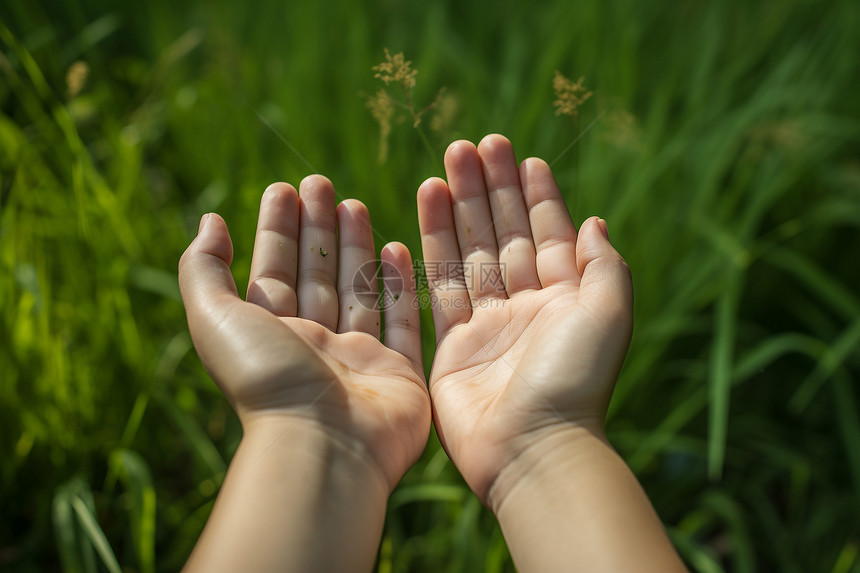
(293, 500)
(572, 504)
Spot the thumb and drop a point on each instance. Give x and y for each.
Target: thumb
(606, 285)
(205, 281)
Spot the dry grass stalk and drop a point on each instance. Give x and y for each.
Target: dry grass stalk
(396, 69)
(570, 95)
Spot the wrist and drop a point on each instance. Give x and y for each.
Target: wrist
(549, 461)
(571, 499)
(334, 451)
(288, 481)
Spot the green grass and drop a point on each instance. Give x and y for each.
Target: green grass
(724, 160)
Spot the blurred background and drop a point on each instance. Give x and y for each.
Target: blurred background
(720, 143)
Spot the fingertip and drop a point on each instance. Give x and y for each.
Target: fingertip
(395, 252)
(494, 143)
(606, 277)
(596, 226)
(436, 219)
(202, 224)
(592, 229)
(593, 243)
(318, 185)
(213, 238)
(402, 324)
(433, 195)
(280, 193)
(398, 272)
(214, 218)
(353, 204)
(204, 268)
(533, 166)
(389, 250)
(459, 146)
(603, 228)
(316, 179)
(353, 208)
(432, 185)
(459, 152)
(279, 189)
(317, 211)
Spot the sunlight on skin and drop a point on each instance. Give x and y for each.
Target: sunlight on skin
(545, 354)
(523, 374)
(532, 329)
(332, 417)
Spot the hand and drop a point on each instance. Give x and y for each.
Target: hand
(305, 348)
(536, 353)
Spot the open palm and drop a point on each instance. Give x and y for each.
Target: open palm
(306, 343)
(532, 325)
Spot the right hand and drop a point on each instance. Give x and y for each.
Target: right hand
(538, 352)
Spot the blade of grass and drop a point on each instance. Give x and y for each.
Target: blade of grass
(702, 559)
(743, 554)
(497, 554)
(385, 556)
(96, 535)
(834, 357)
(720, 377)
(828, 289)
(65, 527)
(427, 492)
(200, 443)
(465, 538)
(135, 475)
(76, 551)
(847, 559)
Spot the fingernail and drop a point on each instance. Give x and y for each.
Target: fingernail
(203, 220)
(602, 224)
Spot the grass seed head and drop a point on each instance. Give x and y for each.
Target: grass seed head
(396, 69)
(382, 110)
(570, 95)
(384, 106)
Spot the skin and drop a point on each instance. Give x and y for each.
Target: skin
(332, 417)
(525, 366)
(532, 324)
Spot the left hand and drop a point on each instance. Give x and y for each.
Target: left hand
(305, 347)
